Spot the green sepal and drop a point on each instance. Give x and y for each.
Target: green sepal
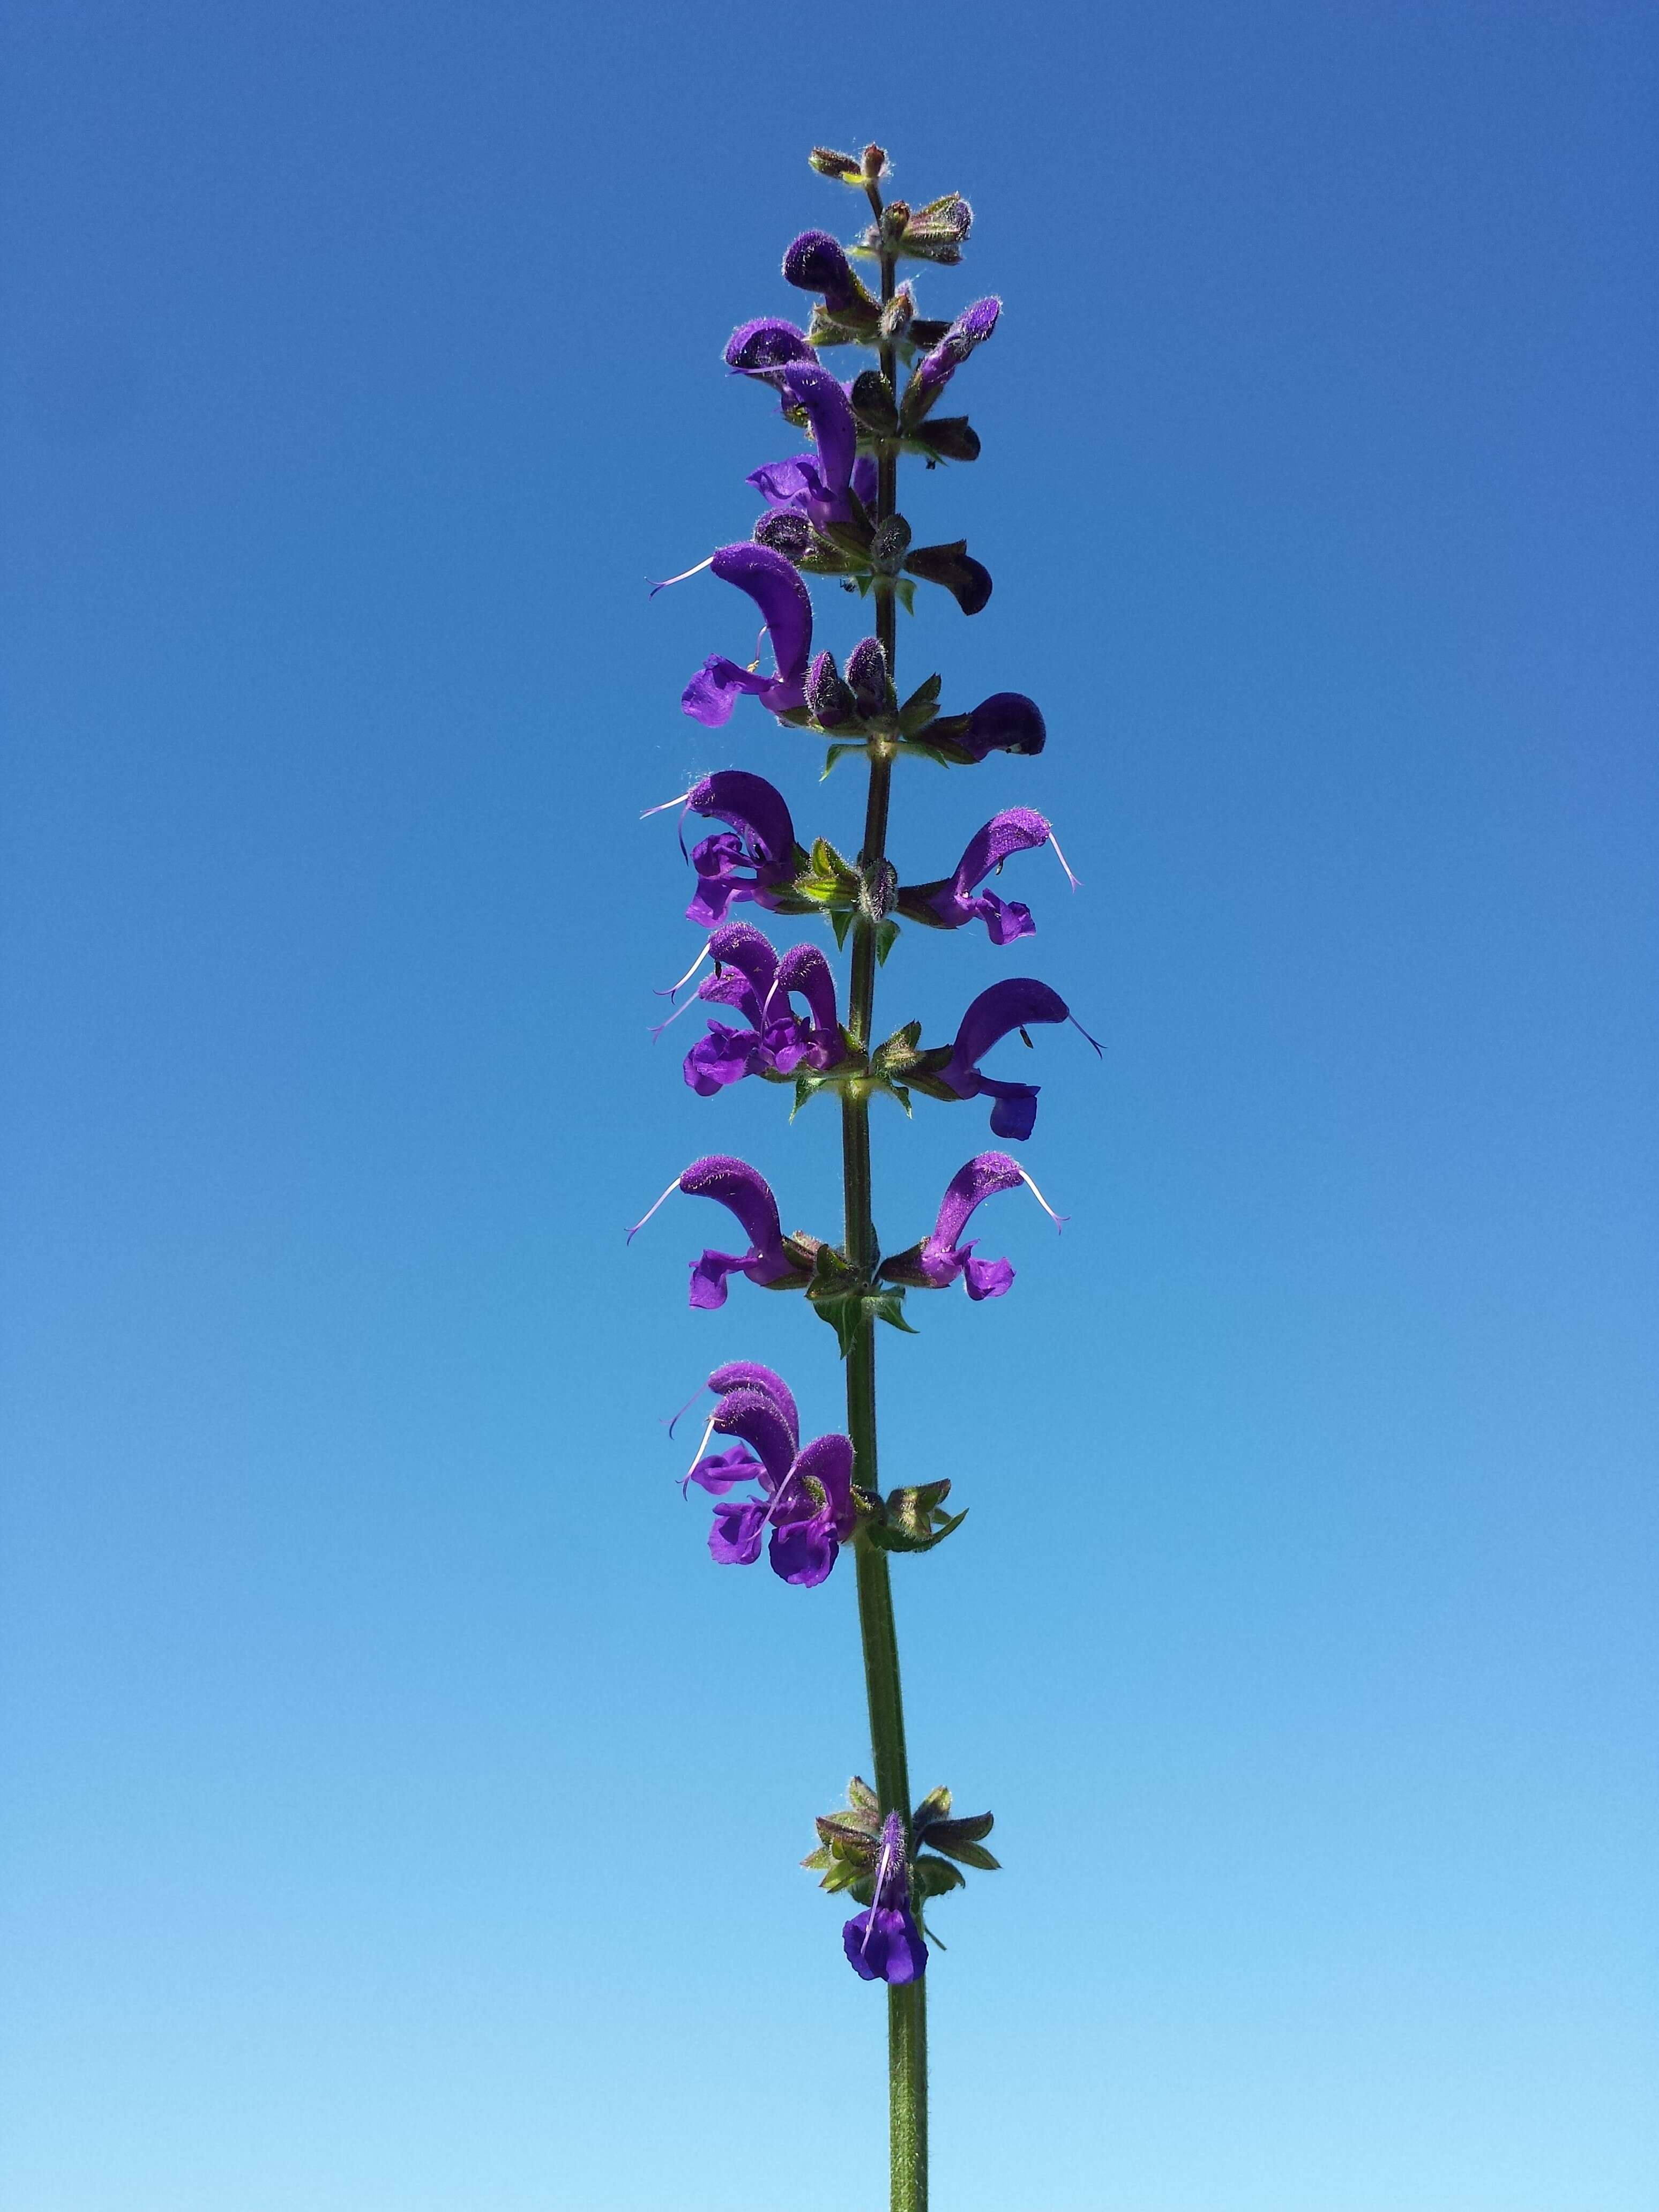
(919, 709)
(862, 1798)
(873, 403)
(840, 921)
(847, 539)
(897, 1056)
(973, 1855)
(954, 1838)
(905, 592)
(837, 753)
(854, 1829)
(845, 1315)
(887, 933)
(942, 438)
(915, 1519)
(935, 1806)
(889, 1306)
(931, 1877)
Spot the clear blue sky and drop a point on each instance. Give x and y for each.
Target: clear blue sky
(403, 1811)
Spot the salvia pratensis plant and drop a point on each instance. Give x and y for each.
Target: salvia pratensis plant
(776, 1014)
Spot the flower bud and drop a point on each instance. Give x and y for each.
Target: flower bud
(867, 672)
(815, 262)
(830, 700)
(786, 533)
(829, 163)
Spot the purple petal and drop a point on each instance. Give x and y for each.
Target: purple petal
(1014, 1115)
(987, 1278)
(974, 1182)
(794, 487)
(709, 1275)
(735, 1185)
(1016, 829)
(750, 1375)
(767, 342)
(865, 478)
(723, 1471)
(815, 262)
(755, 809)
(742, 946)
(739, 1528)
(713, 692)
(884, 1944)
(993, 1015)
(829, 412)
(757, 1419)
(723, 1057)
(804, 968)
(828, 1460)
(1006, 722)
(804, 1551)
(776, 587)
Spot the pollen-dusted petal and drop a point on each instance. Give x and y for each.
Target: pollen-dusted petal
(785, 603)
(749, 1373)
(757, 1419)
(974, 1182)
(815, 262)
(804, 968)
(1006, 722)
(829, 412)
(767, 343)
(745, 1193)
(995, 1014)
(755, 809)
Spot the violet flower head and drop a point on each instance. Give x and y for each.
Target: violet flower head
(759, 838)
(941, 1258)
(785, 607)
(995, 1014)
(764, 346)
(817, 488)
(958, 901)
(1006, 722)
(884, 1943)
(750, 978)
(815, 262)
(744, 1193)
(934, 370)
(805, 1493)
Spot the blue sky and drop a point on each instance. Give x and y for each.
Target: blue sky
(403, 1811)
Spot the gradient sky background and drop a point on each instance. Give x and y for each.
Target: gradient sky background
(403, 1811)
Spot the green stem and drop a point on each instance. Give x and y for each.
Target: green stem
(907, 2006)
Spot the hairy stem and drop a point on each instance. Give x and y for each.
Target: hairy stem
(907, 2013)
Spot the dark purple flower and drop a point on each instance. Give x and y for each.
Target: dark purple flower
(761, 837)
(764, 346)
(816, 488)
(937, 1261)
(737, 1186)
(815, 262)
(958, 901)
(1006, 722)
(750, 978)
(883, 1944)
(995, 1014)
(935, 369)
(807, 1494)
(786, 609)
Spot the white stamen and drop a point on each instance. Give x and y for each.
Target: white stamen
(1059, 1219)
(681, 578)
(644, 1217)
(701, 1448)
(1060, 857)
(684, 979)
(661, 1026)
(689, 1402)
(664, 808)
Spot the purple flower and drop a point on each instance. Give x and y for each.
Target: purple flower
(786, 609)
(938, 1260)
(935, 369)
(815, 262)
(1006, 722)
(764, 346)
(995, 1014)
(953, 903)
(884, 1944)
(750, 978)
(739, 1188)
(806, 1494)
(817, 489)
(761, 837)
